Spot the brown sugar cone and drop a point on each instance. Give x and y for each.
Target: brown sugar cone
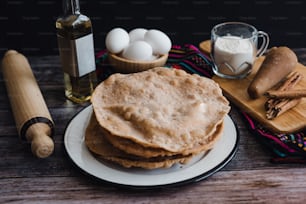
(278, 63)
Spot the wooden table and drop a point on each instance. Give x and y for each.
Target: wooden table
(249, 178)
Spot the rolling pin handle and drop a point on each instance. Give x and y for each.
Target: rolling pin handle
(9, 52)
(42, 146)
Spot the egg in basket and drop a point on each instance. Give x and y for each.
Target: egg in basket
(138, 50)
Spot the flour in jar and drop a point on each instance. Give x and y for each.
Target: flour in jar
(233, 55)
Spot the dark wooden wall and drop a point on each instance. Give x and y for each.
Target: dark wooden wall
(29, 26)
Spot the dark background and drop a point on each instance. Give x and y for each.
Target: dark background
(29, 26)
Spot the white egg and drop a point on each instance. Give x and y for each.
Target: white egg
(138, 50)
(117, 40)
(137, 34)
(154, 57)
(159, 41)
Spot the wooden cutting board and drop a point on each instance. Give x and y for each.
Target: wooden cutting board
(236, 91)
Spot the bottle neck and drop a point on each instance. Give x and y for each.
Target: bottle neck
(71, 7)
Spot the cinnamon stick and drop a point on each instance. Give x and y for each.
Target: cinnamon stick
(276, 106)
(297, 93)
(290, 81)
(281, 108)
(285, 85)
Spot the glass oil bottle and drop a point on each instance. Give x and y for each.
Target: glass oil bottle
(76, 49)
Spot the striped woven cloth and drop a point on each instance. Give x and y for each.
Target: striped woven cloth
(286, 148)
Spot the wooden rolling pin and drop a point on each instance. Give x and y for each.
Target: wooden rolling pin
(32, 117)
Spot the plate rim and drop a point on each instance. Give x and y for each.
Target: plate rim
(193, 179)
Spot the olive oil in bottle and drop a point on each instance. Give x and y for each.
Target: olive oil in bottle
(76, 48)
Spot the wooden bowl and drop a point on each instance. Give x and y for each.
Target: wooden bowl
(123, 65)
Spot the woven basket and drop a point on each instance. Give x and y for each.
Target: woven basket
(123, 65)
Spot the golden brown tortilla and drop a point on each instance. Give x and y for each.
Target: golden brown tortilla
(161, 108)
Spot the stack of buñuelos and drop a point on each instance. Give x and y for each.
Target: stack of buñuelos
(155, 118)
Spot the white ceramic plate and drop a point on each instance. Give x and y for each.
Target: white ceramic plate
(199, 168)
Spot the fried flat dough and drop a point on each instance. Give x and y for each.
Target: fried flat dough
(97, 144)
(133, 148)
(136, 149)
(161, 108)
